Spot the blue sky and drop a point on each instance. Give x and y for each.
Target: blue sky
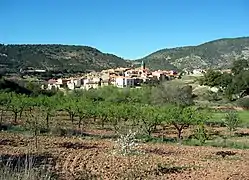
(128, 28)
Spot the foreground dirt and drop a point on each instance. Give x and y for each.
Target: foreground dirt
(74, 158)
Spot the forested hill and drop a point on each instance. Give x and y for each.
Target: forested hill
(57, 57)
(214, 54)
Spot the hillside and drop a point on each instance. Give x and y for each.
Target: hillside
(56, 57)
(68, 58)
(216, 54)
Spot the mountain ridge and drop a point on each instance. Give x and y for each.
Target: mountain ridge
(219, 53)
(57, 57)
(214, 54)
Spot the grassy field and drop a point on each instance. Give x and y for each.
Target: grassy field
(243, 115)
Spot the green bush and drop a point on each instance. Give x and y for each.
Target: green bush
(243, 102)
(200, 133)
(232, 120)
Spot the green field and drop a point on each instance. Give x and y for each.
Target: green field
(244, 116)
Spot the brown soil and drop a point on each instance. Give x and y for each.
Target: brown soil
(75, 158)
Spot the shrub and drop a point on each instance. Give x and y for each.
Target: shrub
(232, 120)
(58, 131)
(200, 133)
(213, 96)
(244, 102)
(126, 143)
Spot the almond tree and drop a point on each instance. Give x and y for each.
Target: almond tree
(114, 115)
(32, 103)
(4, 105)
(102, 112)
(49, 106)
(93, 109)
(17, 104)
(121, 115)
(181, 117)
(35, 122)
(83, 110)
(200, 132)
(69, 104)
(130, 112)
(150, 118)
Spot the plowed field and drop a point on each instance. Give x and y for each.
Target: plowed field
(74, 158)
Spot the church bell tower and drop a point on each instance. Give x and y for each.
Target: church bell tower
(142, 65)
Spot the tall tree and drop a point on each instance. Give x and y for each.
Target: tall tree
(176, 93)
(211, 78)
(239, 66)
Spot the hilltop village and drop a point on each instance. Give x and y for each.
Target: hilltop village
(120, 77)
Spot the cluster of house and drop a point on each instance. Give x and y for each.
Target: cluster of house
(203, 71)
(120, 77)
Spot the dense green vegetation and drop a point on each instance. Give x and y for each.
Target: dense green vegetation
(215, 54)
(131, 108)
(23, 87)
(144, 110)
(146, 114)
(11, 86)
(233, 86)
(64, 58)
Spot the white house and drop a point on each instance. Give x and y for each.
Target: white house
(77, 83)
(124, 82)
(55, 86)
(59, 81)
(157, 74)
(70, 85)
(52, 83)
(127, 73)
(90, 85)
(119, 82)
(197, 71)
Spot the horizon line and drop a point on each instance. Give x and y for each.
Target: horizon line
(163, 48)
